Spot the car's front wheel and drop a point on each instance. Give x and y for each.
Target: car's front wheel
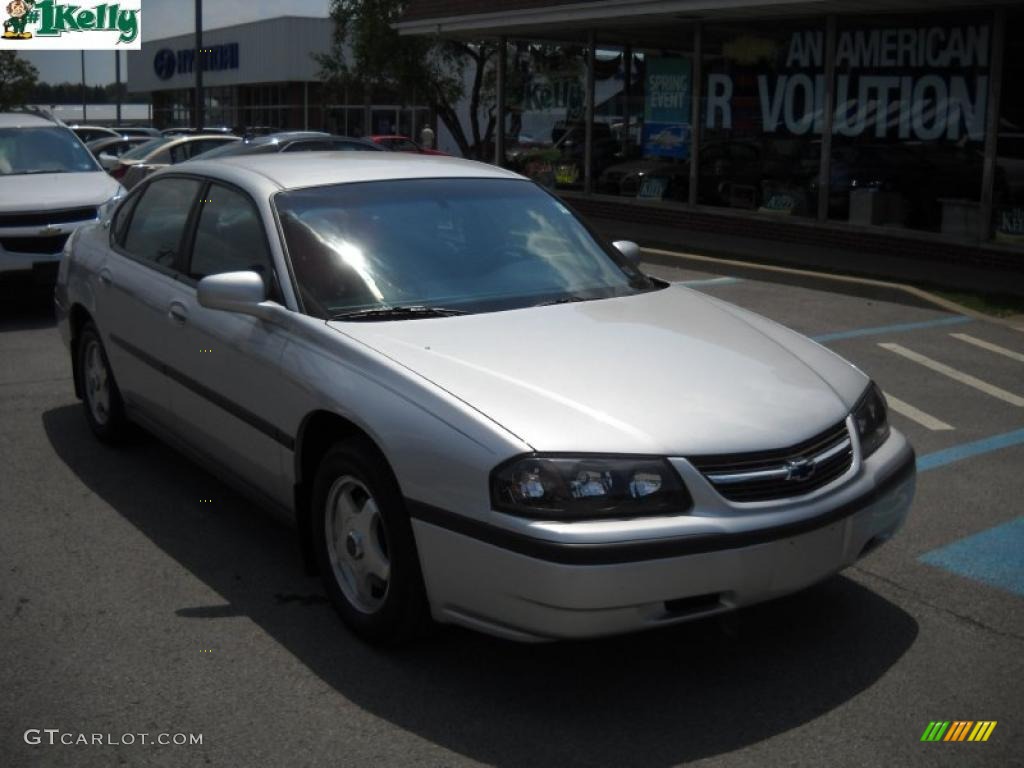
(104, 409)
(365, 547)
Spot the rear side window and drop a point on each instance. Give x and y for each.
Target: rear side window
(155, 231)
(309, 146)
(119, 226)
(229, 237)
(353, 146)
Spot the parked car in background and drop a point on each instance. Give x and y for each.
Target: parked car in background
(108, 150)
(187, 131)
(411, 362)
(258, 130)
(136, 164)
(294, 141)
(50, 185)
(89, 133)
(653, 177)
(135, 130)
(404, 144)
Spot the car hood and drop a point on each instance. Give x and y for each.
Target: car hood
(670, 372)
(53, 191)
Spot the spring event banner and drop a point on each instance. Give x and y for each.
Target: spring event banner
(667, 88)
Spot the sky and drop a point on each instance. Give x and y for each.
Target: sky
(165, 18)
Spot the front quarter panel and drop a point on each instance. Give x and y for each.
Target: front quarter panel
(441, 450)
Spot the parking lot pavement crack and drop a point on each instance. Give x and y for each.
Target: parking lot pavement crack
(918, 598)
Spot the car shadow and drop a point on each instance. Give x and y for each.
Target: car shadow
(24, 306)
(659, 698)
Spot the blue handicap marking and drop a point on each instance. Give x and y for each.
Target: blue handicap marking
(995, 556)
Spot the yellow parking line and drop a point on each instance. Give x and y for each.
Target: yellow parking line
(989, 346)
(953, 373)
(926, 420)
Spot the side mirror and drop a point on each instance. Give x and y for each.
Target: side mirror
(629, 249)
(241, 292)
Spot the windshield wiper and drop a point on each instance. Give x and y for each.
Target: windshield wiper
(397, 313)
(563, 300)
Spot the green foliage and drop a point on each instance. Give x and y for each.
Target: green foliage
(415, 68)
(71, 93)
(17, 78)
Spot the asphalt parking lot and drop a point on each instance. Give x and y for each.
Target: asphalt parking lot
(130, 606)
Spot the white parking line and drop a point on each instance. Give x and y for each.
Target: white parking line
(989, 346)
(915, 414)
(953, 373)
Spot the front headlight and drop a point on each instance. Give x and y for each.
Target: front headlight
(585, 487)
(871, 420)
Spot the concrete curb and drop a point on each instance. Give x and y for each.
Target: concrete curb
(865, 287)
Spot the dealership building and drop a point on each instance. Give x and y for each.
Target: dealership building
(876, 134)
(261, 74)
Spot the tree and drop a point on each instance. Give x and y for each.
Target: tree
(17, 78)
(369, 56)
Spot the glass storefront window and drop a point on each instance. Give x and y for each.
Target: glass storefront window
(1008, 190)
(654, 162)
(761, 112)
(546, 105)
(908, 142)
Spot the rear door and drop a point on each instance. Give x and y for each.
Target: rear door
(136, 284)
(225, 396)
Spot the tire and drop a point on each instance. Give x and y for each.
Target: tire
(364, 546)
(104, 408)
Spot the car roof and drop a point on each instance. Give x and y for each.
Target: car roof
(269, 138)
(24, 120)
(296, 171)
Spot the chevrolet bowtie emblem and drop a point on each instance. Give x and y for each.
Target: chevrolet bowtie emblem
(799, 469)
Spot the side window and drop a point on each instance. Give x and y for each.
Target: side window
(154, 233)
(197, 148)
(230, 237)
(179, 153)
(119, 226)
(350, 146)
(308, 146)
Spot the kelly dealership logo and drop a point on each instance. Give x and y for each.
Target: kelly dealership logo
(48, 24)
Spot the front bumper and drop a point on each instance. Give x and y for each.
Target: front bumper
(528, 589)
(40, 268)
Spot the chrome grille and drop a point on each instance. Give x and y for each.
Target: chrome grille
(43, 245)
(45, 218)
(783, 473)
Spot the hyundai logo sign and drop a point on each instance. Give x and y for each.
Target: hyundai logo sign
(165, 64)
(168, 63)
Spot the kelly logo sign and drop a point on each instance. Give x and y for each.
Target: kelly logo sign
(50, 25)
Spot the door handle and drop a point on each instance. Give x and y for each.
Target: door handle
(177, 313)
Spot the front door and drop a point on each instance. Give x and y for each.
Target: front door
(226, 398)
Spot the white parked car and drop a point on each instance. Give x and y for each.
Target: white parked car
(470, 406)
(50, 185)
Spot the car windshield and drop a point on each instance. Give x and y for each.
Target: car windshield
(47, 149)
(143, 150)
(461, 245)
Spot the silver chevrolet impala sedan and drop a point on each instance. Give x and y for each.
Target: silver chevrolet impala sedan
(470, 406)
